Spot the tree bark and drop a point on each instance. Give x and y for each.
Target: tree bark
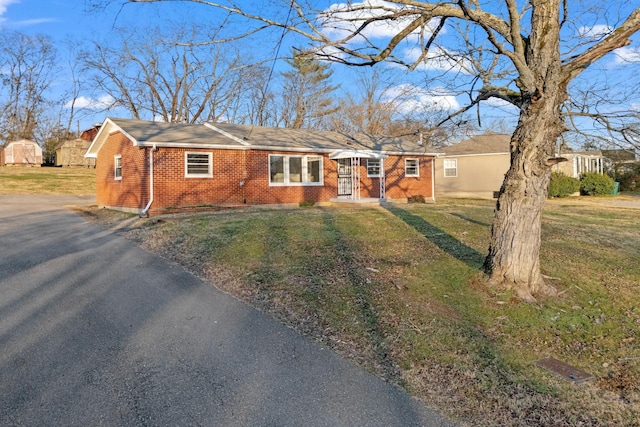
(513, 261)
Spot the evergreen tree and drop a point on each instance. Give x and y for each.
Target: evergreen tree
(307, 93)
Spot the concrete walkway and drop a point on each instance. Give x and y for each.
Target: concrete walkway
(96, 331)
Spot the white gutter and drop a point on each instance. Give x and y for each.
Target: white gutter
(145, 211)
(433, 180)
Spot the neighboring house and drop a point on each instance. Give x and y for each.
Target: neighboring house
(621, 161)
(151, 167)
(21, 152)
(475, 168)
(580, 162)
(72, 151)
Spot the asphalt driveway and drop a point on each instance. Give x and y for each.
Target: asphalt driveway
(96, 331)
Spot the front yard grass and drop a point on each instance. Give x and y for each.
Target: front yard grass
(398, 290)
(47, 180)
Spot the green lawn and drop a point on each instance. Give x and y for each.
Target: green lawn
(47, 180)
(398, 290)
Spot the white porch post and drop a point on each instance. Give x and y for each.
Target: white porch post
(382, 180)
(355, 178)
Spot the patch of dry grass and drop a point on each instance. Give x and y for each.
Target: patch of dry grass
(398, 290)
(47, 180)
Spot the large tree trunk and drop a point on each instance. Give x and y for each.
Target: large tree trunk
(513, 261)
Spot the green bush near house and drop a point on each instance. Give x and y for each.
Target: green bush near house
(630, 179)
(596, 184)
(562, 185)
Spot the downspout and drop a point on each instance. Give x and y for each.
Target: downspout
(433, 180)
(145, 211)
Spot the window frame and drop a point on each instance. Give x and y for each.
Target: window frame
(117, 167)
(306, 159)
(407, 167)
(209, 173)
(369, 168)
(454, 168)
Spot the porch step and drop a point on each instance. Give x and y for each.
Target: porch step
(356, 202)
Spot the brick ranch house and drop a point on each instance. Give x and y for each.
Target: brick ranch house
(152, 167)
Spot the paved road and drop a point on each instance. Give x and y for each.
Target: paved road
(96, 331)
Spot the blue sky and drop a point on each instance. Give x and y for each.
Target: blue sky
(70, 19)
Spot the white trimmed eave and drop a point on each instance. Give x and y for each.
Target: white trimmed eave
(107, 128)
(189, 145)
(348, 154)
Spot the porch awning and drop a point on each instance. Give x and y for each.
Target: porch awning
(348, 154)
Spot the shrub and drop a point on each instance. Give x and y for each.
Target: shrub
(630, 179)
(594, 183)
(562, 185)
(307, 204)
(416, 199)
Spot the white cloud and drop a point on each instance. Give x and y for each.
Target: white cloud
(499, 103)
(28, 22)
(595, 32)
(105, 101)
(626, 55)
(342, 19)
(410, 98)
(3, 7)
(439, 59)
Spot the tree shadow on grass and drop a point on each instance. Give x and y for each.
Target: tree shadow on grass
(440, 238)
(351, 269)
(471, 220)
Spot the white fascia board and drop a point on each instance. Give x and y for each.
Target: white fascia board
(347, 154)
(107, 128)
(190, 145)
(291, 149)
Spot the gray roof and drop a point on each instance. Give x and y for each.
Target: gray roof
(171, 133)
(488, 143)
(277, 138)
(225, 135)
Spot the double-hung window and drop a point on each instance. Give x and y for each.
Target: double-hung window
(373, 168)
(295, 170)
(450, 167)
(117, 166)
(198, 165)
(411, 167)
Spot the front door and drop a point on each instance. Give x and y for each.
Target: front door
(345, 184)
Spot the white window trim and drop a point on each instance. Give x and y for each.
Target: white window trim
(117, 159)
(444, 168)
(377, 175)
(305, 171)
(417, 174)
(198, 175)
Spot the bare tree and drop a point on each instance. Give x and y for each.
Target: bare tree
(525, 53)
(368, 109)
(170, 78)
(26, 74)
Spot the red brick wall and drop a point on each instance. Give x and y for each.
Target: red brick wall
(132, 190)
(258, 190)
(173, 190)
(400, 186)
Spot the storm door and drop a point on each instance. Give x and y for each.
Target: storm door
(345, 178)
